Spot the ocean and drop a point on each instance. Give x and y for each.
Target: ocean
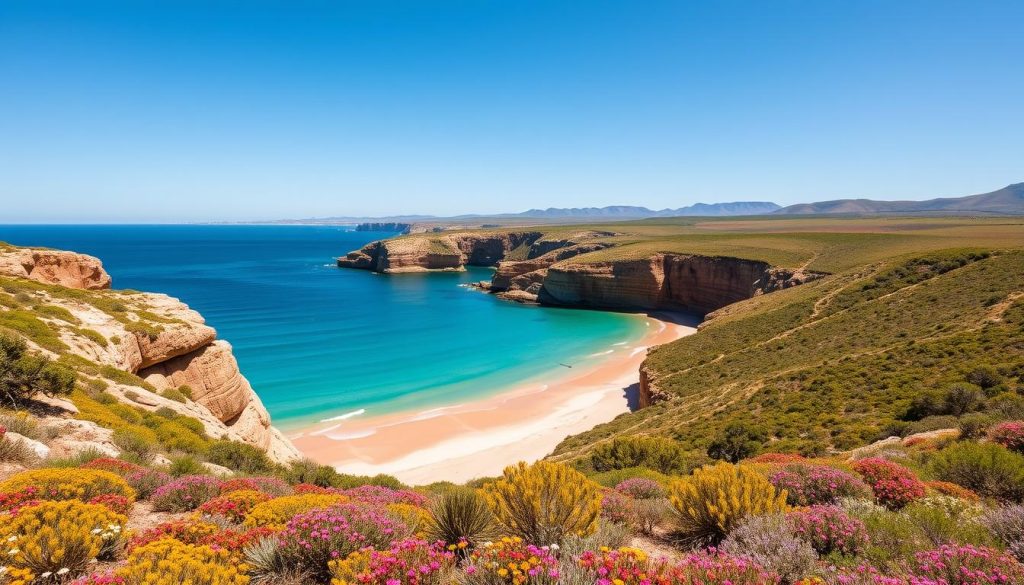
(318, 342)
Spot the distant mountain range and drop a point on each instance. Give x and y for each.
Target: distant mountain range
(632, 212)
(1006, 201)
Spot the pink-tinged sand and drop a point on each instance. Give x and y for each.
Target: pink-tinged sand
(479, 438)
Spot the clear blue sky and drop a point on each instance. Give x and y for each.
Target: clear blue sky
(258, 110)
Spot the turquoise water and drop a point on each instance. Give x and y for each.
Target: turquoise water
(317, 341)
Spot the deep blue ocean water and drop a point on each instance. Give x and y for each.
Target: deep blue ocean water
(317, 341)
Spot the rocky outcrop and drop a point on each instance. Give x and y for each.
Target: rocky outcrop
(213, 376)
(450, 251)
(55, 267)
(160, 339)
(685, 282)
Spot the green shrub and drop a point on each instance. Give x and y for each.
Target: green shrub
(239, 457)
(664, 455)
(173, 394)
(186, 465)
(736, 443)
(990, 470)
(23, 374)
(175, 436)
(975, 425)
(186, 391)
(133, 445)
(461, 514)
(311, 472)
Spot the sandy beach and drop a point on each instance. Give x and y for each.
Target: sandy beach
(479, 438)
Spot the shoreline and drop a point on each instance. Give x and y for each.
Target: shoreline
(479, 438)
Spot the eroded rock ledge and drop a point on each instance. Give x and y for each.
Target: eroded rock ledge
(156, 337)
(554, 271)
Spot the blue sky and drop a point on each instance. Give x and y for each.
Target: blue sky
(186, 111)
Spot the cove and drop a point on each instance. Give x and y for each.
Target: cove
(318, 342)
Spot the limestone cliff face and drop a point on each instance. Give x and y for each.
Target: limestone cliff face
(55, 267)
(664, 281)
(441, 252)
(547, 273)
(160, 339)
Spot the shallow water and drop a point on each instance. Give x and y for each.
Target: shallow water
(319, 342)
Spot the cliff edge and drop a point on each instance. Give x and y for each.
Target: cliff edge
(152, 336)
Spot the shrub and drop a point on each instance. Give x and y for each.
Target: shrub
(460, 515)
(311, 472)
(186, 465)
(239, 457)
(62, 537)
(68, 484)
(946, 488)
(189, 531)
(512, 561)
(407, 562)
(414, 518)
(145, 481)
(382, 495)
(185, 493)
(893, 485)
(1010, 435)
(15, 451)
(986, 468)
(969, 565)
(641, 489)
(710, 502)
(133, 444)
(1007, 524)
(829, 530)
(664, 455)
(959, 399)
(312, 539)
(807, 485)
(944, 520)
(769, 542)
(974, 425)
(170, 562)
(544, 502)
(118, 466)
(736, 442)
(276, 512)
(114, 503)
(778, 458)
(23, 374)
(11, 502)
(271, 486)
(234, 506)
(617, 507)
(174, 394)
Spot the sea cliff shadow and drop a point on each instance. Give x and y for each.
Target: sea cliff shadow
(632, 394)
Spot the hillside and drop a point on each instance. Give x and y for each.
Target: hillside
(1006, 201)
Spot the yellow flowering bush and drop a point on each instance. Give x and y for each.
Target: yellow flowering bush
(416, 518)
(69, 484)
(171, 562)
(15, 576)
(715, 498)
(277, 512)
(544, 502)
(62, 538)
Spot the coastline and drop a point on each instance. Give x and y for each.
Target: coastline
(480, 437)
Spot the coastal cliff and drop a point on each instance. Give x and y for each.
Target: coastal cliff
(155, 337)
(530, 267)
